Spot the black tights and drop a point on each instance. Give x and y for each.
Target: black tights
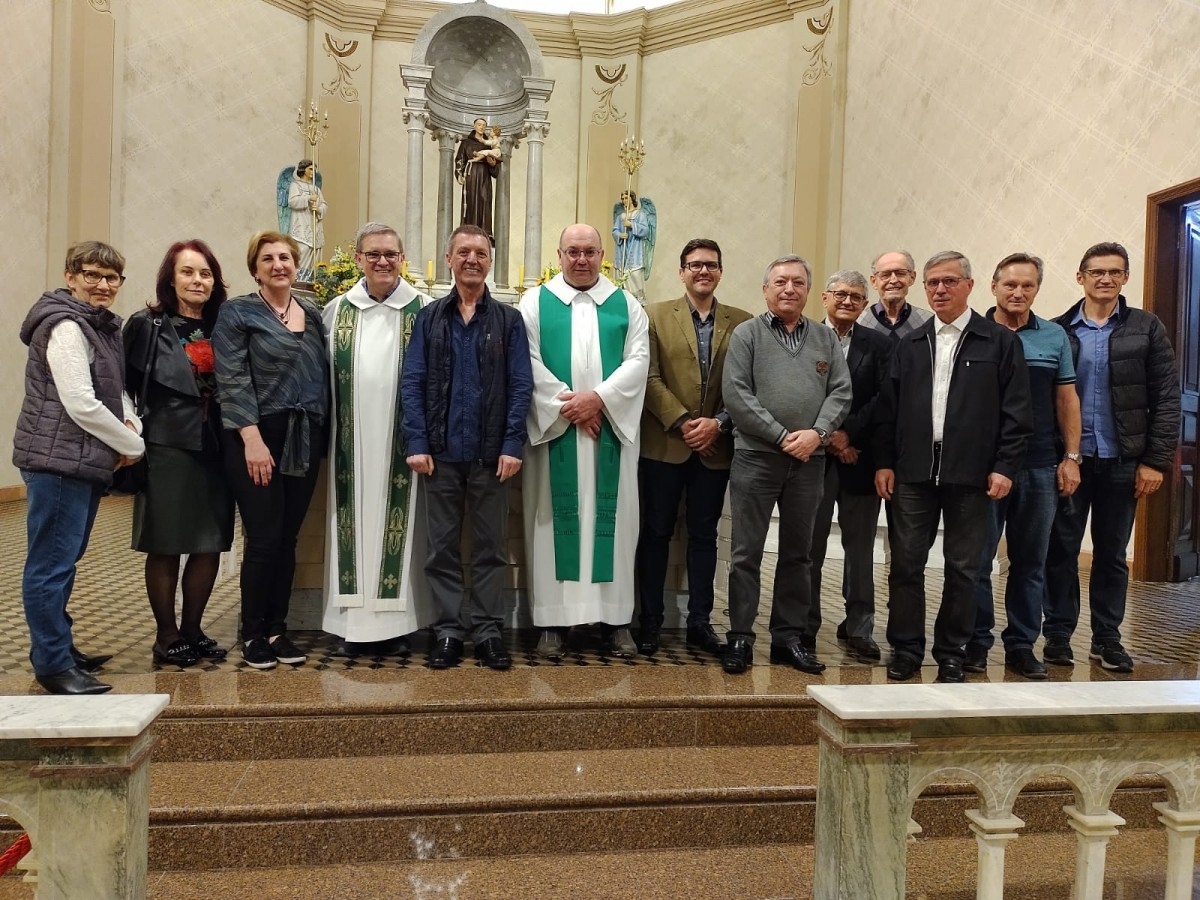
(162, 577)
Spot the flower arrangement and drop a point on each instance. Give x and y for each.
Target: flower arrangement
(334, 278)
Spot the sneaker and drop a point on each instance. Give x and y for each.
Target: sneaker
(1058, 653)
(1112, 657)
(287, 652)
(257, 654)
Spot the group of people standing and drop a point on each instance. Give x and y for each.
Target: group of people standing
(615, 413)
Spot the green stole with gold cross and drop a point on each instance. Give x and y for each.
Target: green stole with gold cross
(554, 318)
(399, 480)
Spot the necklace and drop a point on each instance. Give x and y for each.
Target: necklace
(281, 316)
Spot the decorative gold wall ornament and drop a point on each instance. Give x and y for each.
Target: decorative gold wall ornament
(607, 110)
(818, 65)
(101, 6)
(341, 86)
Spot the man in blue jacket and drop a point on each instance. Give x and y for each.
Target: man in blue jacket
(466, 389)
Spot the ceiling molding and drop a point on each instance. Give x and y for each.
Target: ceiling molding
(576, 35)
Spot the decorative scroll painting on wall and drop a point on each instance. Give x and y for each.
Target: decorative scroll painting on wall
(818, 65)
(101, 6)
(606, 110)
(343, 85)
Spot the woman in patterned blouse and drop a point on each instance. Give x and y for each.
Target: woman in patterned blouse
(273, 384)
(186, 506)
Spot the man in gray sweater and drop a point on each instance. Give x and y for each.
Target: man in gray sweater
(786, 387)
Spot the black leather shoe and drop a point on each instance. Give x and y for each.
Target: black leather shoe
(738, 656)
(902, 667)
(86, 662)
(1025, 664)
(397, 646)
(809, 642)
(864, 648)
(702, 637)
(445, 653)
(975, 659)
(492, 654)
(841, 632)
(798, 656)
(950, 671)
(73, 681)
(647, 640)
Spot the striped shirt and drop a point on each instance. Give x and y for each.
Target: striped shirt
(790, 339)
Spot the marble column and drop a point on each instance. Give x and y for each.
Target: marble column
(414, 197)
(992, 836)
(535, 138)
(1182, 830)
(502, 215)
(1093, 833)
(445, 214)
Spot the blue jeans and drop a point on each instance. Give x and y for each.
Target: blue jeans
(1105, 487)
(1028, 511)
(60, 512)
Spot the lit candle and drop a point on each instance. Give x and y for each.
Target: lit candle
(429, 270)
(521, 274)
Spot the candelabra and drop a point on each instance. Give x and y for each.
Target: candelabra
(631, 154)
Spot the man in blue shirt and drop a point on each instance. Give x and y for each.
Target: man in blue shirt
(1129, 397)
(1028, 510)
(465, 392)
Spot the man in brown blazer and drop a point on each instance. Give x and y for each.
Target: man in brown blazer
(687, 443)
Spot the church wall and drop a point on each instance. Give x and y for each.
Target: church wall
(716, 165)
(997, 127)
(25, 149)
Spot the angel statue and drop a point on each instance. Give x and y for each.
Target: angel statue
(302, 212)
(635, 228)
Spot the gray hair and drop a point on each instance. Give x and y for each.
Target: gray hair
(948, 256)
(785, 261)
(851, 277)
(376, 228)
(1020, 259)
(908, 259)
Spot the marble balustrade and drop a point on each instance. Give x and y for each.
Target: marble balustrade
(74, 773)
(882, 745)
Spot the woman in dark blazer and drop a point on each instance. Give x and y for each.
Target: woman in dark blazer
(186, 506)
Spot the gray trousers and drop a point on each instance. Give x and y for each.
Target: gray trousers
(858, 521)
(758, 481)
(470, 493)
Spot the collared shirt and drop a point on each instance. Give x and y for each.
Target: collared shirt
(464, 419)
(790, 339)
(1095, 392)
(704, 339)
(948, 336)
(843, 340)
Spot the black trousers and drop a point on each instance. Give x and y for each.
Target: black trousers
(271, 518)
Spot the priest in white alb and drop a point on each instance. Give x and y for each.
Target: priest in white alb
(590, 350)
(376, 592)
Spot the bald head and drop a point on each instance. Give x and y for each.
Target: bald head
(580, 255)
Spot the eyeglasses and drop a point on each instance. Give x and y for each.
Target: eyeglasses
(376, 256)
(574, 253)
(889, 274)
(842, 296)
(950, 281)
(1100, 273)
(93, 278)
(702, 266)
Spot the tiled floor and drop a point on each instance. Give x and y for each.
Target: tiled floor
(111, 615)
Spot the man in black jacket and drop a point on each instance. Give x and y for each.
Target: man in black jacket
(954, 420)
(1129, 395)
(850, 470)
(465, 391)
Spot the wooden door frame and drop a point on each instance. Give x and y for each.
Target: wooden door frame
(1153, 541)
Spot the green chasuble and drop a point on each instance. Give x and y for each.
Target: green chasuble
(399, 481)
(554, 318)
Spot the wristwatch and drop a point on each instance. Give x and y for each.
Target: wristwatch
(1073, 457)
(823, 435)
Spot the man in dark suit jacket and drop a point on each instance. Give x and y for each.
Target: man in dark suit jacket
(687, 442)
(850, 470)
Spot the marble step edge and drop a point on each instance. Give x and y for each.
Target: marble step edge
(413, 733)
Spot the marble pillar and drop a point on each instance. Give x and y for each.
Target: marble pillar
(1093, 832)
(1182, 830)
(992, 835)
(446, 190)
(416, 120)
(502, 215)
(535, 138)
